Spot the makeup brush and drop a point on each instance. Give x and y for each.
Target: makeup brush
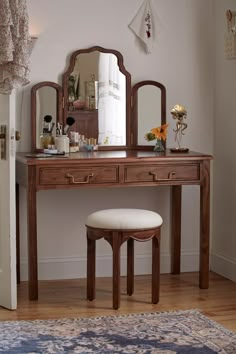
(47, 126)
(69, 122)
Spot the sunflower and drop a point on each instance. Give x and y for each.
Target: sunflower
(160, 132)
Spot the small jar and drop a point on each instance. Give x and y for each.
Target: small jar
(46, 140)
(74, 141)
(62, 143)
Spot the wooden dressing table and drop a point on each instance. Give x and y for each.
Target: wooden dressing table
(118, 169)
(123, 114)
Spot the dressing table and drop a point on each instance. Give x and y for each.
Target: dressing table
(130, 163)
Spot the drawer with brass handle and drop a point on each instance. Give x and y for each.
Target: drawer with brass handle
(162, 173)
(78, 175)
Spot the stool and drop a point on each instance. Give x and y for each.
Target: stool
(117, 226)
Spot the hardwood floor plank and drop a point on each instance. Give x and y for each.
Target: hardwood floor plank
(67, 298)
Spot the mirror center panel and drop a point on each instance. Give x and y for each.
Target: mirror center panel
(96, 98)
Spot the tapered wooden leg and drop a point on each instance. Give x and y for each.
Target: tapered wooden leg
(155, 269)
(116, 269)
(32, 234)
(17, 235)
(204, 225)
(130, 266)
(91, 268)
(176, 229)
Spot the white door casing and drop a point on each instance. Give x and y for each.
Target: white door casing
(8, 298)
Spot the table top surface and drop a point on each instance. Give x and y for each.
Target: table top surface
(119, 155)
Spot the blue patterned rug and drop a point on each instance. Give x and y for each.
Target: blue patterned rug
(170, 332)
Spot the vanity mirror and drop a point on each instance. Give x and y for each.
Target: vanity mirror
(46, 101)
(148, 110)
(96, 93)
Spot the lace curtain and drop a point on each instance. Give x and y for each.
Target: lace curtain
(14, 41)
(111, 102)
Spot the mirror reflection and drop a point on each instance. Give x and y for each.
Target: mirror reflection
(46, 113)
(96, 98)
(149, 111)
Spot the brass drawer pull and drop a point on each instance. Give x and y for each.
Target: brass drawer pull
(171, 174)
(72, 179)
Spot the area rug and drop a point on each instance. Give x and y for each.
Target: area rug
(168, 332)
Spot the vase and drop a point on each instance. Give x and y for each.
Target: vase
(159, 146)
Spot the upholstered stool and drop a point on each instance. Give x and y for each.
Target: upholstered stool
(117, 226)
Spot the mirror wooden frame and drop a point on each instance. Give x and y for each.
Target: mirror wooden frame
(134, 110)
(120, 63)
(59, 96)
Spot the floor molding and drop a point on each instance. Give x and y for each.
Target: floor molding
(75, 267)
(224, 266)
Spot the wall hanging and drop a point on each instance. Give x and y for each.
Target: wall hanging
(146, 25)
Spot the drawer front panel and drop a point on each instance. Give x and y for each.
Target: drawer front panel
(164, 173)
(76, 176)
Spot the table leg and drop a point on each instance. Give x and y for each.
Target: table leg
(176, 198)
(17, 235)
(32, 234)
(115, 241)
(130, 266)
(204, 225)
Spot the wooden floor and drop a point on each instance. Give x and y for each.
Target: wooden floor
(67, 299)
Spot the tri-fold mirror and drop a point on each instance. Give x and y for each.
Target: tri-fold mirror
(97, 102)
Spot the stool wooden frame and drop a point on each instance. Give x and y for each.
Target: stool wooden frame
(116, 238)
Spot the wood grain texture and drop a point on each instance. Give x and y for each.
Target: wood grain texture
(17, 235)
(67, 298)
(176, 212)
(204, 224)
(119, 169)
(32, 234)
(116, 238)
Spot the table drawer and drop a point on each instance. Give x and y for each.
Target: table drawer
(154, 173)
(78, 175)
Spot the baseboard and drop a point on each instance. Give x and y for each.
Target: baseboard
(223, 266)
(75, 267)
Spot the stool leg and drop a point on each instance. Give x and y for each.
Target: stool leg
(155, 268)
(130, 266)
(91, 268)
(116, 242)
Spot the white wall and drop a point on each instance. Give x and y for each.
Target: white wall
(181, 60)
(224, 200)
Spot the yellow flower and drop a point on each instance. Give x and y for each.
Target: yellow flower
(160, 132)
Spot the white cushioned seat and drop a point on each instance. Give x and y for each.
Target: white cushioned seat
(124, 219)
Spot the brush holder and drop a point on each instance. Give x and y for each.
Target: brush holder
(62, 143)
